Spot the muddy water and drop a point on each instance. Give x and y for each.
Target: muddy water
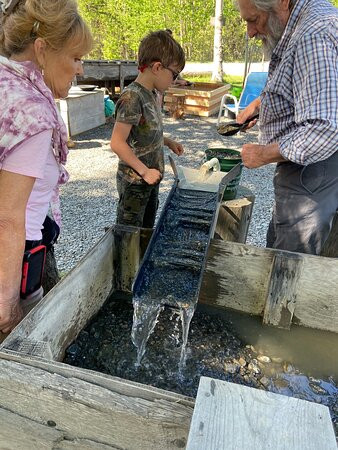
(232, 347)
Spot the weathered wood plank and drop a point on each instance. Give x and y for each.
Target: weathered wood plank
(198, 110)
(237, 277)
(127, 255)
(206, 90)
(65, 310)
(330, 248)
(281, 298)
(87, 411)
(19, 433)
(82, 111)
(196, 101)
(118, 385)
(230, 416)
(234, 219)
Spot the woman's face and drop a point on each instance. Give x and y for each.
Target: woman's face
(60, 70)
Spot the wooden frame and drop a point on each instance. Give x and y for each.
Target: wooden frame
(50, 404)
(45, 404)
(237, 276)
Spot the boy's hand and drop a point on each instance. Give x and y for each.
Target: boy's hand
(152, 176)
(174, 146)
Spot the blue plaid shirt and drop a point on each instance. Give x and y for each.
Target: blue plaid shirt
(299, 105)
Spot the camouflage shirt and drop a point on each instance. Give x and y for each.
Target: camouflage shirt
(139, 107)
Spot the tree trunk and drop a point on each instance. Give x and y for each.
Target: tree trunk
(217, 74)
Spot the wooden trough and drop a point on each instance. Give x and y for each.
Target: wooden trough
(200, 99)
(45, 403)
(108, 73)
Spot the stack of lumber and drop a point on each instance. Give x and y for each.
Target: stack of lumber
(201, 99)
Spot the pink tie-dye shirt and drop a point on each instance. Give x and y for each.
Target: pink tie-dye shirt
(27, 109)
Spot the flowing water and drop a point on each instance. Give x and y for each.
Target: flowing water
(172, 269)
(229, 346)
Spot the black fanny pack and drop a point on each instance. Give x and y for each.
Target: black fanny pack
(34, 257)
(50, 234)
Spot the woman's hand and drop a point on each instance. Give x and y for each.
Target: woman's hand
(10, 315)
(174, 146)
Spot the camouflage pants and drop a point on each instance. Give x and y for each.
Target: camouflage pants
(137, 205)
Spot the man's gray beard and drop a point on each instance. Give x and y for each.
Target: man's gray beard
(275, 31)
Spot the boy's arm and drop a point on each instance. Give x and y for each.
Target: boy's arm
(118, 144)
(174, 146)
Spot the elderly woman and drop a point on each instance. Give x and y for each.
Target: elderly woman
(41, 46)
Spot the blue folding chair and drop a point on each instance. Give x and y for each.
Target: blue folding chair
(254, 84)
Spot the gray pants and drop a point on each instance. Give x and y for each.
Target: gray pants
(306, 200)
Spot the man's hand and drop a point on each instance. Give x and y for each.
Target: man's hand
(10, 315)
(251, 110)
(152, 176)
(254, 155)
(174, 146)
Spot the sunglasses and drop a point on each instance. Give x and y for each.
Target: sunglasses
(174, 74)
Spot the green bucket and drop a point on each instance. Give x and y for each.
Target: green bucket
(227, 158)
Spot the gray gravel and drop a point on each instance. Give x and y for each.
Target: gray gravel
(89, 199)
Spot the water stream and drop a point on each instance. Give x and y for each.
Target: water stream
(224, 345)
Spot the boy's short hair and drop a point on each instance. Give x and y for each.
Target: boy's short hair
(160, 46)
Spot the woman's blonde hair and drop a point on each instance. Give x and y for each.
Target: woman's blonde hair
(57, 22)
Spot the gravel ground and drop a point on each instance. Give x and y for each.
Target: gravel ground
(89, 199)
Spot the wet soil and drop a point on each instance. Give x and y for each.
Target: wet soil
(214, 350)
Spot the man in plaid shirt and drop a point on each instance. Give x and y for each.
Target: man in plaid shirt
(298, 117)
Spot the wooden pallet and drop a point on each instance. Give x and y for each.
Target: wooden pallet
(201, 99)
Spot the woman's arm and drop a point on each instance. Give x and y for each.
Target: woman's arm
(14, 193)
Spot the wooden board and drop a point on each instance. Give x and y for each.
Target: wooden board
(52, 405)
(237, 277)
(196, 101)
(234, 218)
(330, 248)
(230, 416)
(82, 111)
(56, 321)
(200, 89)
(197, 110)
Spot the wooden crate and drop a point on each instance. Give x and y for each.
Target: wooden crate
(82, 111)
(201, 99)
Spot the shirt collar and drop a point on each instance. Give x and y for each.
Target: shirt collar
(290, 27)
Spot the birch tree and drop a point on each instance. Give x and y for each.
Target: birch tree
(217, 72)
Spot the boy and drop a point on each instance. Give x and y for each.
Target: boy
(137, 136)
